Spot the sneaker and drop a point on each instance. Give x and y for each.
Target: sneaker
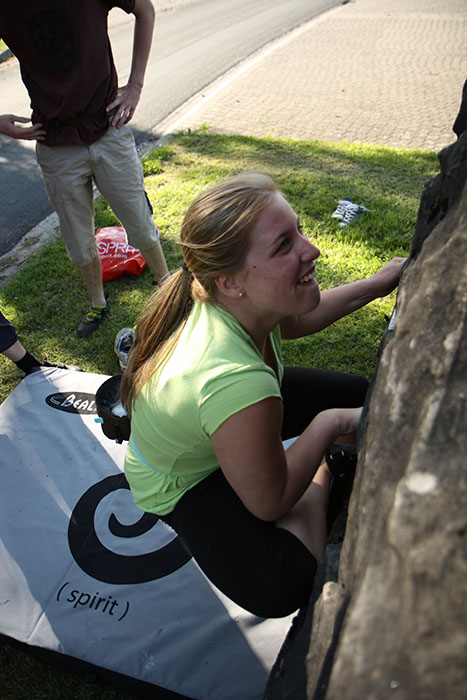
(352, 213)
(341, 207)
(91, 320)
(122, 346)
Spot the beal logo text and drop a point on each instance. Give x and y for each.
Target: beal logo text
(75, 402)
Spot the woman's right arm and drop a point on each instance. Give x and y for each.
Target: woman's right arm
(267, 479)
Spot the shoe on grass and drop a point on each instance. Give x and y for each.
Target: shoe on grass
(342, 205)
(91, 320)
(352, 213)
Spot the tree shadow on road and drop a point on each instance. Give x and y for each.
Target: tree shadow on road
(22, 191)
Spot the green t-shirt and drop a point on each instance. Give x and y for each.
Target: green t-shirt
(214, 371)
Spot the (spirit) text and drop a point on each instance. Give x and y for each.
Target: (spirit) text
(93, 601)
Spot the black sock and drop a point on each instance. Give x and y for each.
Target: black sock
(27, 363)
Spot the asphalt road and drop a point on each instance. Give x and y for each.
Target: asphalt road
(195, 42)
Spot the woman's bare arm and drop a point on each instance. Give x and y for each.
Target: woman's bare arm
(269, 480)
(340, 301)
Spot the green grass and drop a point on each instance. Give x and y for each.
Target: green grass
(25, 677)
(46, 299)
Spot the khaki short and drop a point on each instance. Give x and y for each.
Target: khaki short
(113, 164)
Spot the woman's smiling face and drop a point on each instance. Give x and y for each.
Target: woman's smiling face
(278, 275)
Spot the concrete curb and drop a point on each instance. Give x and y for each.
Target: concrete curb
(32, 242)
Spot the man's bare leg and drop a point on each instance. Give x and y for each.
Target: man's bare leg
(156, 261)
(15, 352)
(92, 278)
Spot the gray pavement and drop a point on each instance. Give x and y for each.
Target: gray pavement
(384, 72)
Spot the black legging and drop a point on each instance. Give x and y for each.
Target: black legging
(263, 568)
(8, 335)
(306, 392)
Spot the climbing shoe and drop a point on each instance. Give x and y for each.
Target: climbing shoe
(91, 320)
(342, 462)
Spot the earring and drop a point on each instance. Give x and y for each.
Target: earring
(240, 294)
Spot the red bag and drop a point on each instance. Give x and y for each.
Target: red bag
(117, 256)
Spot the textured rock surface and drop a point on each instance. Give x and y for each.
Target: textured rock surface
(395, 622)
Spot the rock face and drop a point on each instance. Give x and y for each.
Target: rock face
(393, 622)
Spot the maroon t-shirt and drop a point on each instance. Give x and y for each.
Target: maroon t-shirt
(66, 63)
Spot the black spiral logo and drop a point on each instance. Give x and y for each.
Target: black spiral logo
(107, 566)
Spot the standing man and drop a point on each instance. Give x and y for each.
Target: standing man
(79, 118)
